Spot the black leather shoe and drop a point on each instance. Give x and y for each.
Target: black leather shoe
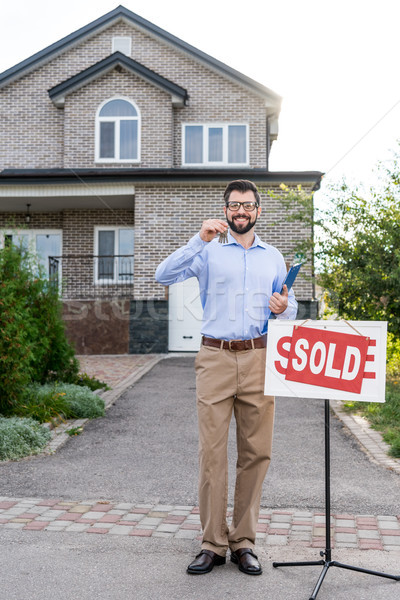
(247, 561)
(205, 562)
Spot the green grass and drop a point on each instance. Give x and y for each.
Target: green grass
(21, 437)
(384, 417)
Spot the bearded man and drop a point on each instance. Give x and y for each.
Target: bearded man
(240, 286)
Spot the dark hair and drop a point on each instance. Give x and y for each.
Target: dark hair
(242, 186)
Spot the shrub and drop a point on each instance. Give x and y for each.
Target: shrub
(393, 356)
(33, 344)
(60, 401)
(15, 341)
(43, 403)
(21, 437)
(82, 402)
(92, 383)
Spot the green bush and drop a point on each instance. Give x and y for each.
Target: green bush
(393, 356)
(33, 344)
(92, 383)
(82, 402)
(43, 403)
(21, 437)
(60, 401)
(15, 341)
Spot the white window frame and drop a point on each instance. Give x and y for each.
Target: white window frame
(206, 163)
(116, 279)
(121, 40)
(117, 120)
(31, 233)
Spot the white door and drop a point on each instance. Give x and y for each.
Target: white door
(185, 314)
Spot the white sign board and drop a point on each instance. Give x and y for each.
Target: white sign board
(332, 360)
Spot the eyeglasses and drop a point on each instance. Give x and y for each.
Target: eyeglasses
(248, 206)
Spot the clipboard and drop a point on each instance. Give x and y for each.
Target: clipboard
(291, 276)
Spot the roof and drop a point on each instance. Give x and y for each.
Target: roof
(149, 175)
(122, 13)
(58, 93)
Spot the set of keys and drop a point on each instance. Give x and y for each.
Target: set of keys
(223, 237)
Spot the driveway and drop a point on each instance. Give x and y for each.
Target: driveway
(145, 450)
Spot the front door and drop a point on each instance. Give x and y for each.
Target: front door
(185, 315)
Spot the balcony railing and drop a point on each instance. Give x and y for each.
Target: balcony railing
(88, 277)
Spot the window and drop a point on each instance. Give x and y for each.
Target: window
(122, 44)
(114, 247)
(215, 144)
(118, 131)
(44, 243)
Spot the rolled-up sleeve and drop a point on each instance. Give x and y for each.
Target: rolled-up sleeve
(183, 263)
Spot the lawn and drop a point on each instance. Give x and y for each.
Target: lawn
(384, 417)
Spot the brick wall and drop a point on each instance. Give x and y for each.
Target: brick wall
(166, 218)
(156, 120)
(36, 134)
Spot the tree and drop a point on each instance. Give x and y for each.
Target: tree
(355, 246)
(358, 251)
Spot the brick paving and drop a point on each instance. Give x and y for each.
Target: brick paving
(114, 369)
(275, 527)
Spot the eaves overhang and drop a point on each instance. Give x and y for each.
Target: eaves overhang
(121, 13)
(157, 176)
(59, 92)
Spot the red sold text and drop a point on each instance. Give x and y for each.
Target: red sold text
(324, 358)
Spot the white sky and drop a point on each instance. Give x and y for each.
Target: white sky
(335, 62)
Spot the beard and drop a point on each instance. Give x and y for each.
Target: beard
(242, 228)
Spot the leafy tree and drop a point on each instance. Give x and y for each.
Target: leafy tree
(356, 245)
(358, 252)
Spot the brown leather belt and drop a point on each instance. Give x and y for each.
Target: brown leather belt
(236, 345)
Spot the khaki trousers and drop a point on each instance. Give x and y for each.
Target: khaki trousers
(232, 381)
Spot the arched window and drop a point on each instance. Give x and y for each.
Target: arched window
(118, 131)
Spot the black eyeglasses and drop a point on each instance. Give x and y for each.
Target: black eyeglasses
(248, 206)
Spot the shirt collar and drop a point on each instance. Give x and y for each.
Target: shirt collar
(256, 242)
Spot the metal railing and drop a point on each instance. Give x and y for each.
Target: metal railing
(89, 276)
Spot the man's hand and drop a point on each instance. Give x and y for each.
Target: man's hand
(211, 228)
(278, 302)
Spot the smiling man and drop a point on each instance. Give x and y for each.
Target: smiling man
(240, 285)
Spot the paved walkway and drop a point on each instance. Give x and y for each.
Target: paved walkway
(275, 527)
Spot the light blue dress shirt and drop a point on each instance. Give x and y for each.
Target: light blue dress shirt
(235, 284)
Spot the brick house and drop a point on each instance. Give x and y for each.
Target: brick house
(115, 143)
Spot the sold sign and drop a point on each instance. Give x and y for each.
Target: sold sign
(327, 359)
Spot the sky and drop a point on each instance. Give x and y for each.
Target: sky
(334, 62)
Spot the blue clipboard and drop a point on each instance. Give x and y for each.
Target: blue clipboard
(291, 276)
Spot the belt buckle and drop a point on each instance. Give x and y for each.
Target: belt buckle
(229, 344)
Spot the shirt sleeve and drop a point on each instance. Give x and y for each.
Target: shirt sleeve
(182, 264)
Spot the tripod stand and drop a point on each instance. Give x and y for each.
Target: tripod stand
(327, 561)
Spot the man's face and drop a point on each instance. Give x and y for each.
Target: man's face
(241, 221)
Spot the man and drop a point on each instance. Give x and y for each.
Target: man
(240, 285)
